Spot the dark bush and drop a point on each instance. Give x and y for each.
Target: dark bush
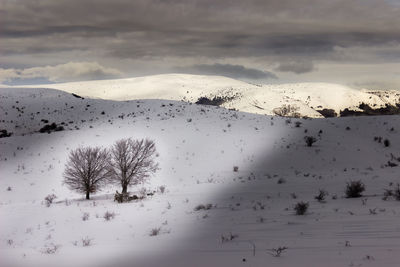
(109, 215)
(4, 133)
(287, 111)
(216, 101)
(125, 197)
(321, 195)
(203, 207)
(301, 208)
(366, 110)
(48, 128)
(354, 189)
(391, 164)
(395, 193)
(327, 113)
(386, 142)
(310, 140)
(49, 199)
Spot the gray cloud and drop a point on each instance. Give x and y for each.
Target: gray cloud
(208, 31)
(228, 70)
(297, 67)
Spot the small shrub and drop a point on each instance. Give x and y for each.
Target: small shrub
(301, 208)
(50, 249)
(143, 192)
(49, 199)
(162, 189)
(67, 202)
(215, 101)
(4, 133)
(321, 195)
(203, 207)
(277, 252)
(386, 142)
(86, 242)
(395, 193)
(354, 189)
(124, 197)
(387, 194)
(310, 140)
(85, 216)
(229, 237)
(48, 128)
(9, 188)
(287, 111)
(109, 215)
(281, 181)
(235, 168)
(364, 201)
(391, 164)
(155, 231)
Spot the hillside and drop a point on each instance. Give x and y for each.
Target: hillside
(251, 211)
(258, 99)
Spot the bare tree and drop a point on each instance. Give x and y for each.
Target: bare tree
(132, 162)
(287, 111)
(87, 169)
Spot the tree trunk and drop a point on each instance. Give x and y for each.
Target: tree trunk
(124, 189)
(87, 195)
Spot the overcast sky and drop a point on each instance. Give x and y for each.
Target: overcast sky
(267, 41)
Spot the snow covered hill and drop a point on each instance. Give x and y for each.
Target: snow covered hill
(258, 99)
(252, 169)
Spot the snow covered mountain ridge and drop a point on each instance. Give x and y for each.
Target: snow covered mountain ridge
(304, 99)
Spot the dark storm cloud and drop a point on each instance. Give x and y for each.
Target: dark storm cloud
(228, 70)
(152, 30)
(280, 26)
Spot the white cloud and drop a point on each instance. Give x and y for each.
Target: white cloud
(70, 71)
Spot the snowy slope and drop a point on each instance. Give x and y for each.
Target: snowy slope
(198, 147)
(333, 96)
(258, 99)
